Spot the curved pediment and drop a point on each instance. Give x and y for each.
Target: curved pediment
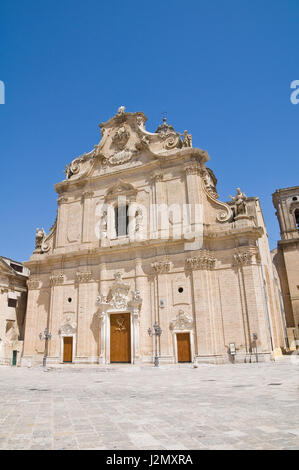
(126, 143)
(119, 188)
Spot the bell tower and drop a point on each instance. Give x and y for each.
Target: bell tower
(286, 259)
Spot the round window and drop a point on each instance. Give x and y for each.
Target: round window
(181, 290)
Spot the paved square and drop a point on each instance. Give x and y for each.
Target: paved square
(242, 406)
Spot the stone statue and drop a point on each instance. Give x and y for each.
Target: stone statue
(39, 238)
(104, 224)
(187, 139)
(240, 204)
(138, 220)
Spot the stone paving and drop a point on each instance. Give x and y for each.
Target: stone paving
(242, 406)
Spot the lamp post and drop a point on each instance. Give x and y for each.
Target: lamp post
(47, 336)
(157, 332)
(255, 342)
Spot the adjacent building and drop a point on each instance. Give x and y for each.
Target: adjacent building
(13, 299)
(140, 238)
(286, 257)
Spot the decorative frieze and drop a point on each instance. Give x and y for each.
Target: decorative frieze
(243, 258)
(203, 261)
(161, 267)
(57, 280)
(83, 277)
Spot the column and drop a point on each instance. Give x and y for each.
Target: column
(87, 216)
(162, 269)
(56, 310)
(83, 314)
(31, 333)
(61, 221)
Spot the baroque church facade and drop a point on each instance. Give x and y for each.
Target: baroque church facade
(140, 238)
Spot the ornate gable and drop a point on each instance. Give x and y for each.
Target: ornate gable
(181, 322)
(118, 297)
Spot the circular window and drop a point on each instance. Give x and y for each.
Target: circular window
(181, 290)
(295, 198)
(69, 299)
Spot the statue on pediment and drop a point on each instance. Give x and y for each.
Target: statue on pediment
(39, 238)
(239, 202)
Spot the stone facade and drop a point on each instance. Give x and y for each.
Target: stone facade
(13, 298)
(140, 231)
(286, 257)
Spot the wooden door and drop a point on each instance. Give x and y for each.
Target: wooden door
(68, 349)
(184, 348)
(14, 358)
(120, 338)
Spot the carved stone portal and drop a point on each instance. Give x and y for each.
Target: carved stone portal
(116, 301)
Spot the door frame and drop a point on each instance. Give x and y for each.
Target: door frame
(175, 344)
(106, 334)
(62, 336)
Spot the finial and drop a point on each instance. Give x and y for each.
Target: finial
(121, 110)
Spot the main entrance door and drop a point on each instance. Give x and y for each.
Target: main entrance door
(120, 338)
(184, 349)
(67, 349)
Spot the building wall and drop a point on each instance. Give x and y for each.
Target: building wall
(12, 318)
(286, 258)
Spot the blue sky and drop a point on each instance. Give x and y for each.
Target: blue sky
(221, 69)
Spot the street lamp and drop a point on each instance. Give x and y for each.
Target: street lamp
(255, 342)
(157, 332)
(46, 338)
